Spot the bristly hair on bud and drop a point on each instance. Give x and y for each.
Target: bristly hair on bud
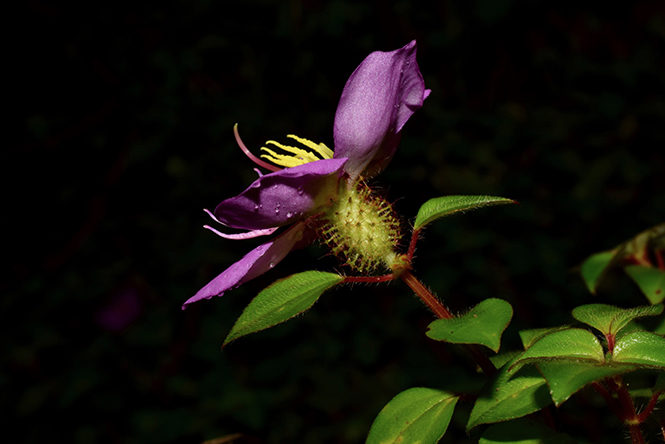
(361, 229)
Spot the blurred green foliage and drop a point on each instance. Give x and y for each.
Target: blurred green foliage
(121, 132)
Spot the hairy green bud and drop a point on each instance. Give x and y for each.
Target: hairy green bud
(361, 229)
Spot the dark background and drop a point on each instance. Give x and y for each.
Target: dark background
(120, 132)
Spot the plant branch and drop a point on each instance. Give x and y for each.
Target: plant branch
(443, 313)
(630, 417)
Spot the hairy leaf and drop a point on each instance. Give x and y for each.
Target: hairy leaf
(483, 325)
(511, 393)
(417, 415)
(572, 343)
(281, 301)
(640, 348)
(650, 280)
(595, 266)
(566, 377)
(445, 206)
(608, 319)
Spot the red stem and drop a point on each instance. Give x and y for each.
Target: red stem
(443, 313)
(611, 402)
(426, 296)
(370, 279)
(649, 408)
(631, 419)
(412, 245)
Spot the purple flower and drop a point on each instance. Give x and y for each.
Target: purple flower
(378, 99)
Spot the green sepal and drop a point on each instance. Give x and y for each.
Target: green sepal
(483, 325)
(523, 431)
(640, 348)
(510, 393)
(571, 343)
(445, 206)
(608, 319)
(650, 280)
(595, 266)
(281, 301)
(565, 377)
(417, 415)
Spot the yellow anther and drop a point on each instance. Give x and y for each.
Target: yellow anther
(298, 156)
(321, 148)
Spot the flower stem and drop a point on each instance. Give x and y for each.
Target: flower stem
(412, 245)
(443, 313)
(369, 279)
(425, 295)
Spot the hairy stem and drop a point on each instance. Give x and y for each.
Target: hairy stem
(630, 417)
(649, 408)
(443, 313)
(425, 295)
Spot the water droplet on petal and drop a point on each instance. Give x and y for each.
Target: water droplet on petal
(300, 191)
(289, 214)
(272, 264)
(277, 210)
(256, 208)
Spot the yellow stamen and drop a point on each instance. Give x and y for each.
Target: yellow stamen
(321, 148)
(298, 156)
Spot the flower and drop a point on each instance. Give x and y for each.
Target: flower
(377, 100)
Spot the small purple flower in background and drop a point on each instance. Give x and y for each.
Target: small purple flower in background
(314, 190)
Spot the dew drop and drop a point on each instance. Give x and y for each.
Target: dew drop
(289, 214)
(256, 208)
(272, 264)
(300, 191)
(277, 210)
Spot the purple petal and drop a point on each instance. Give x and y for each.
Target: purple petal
(253, 264)
(378, 99)
(282, 197)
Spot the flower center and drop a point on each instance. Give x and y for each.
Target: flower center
(362, 229)
(296, 156)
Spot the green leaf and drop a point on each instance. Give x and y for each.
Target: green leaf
(418, 415)
(595, 266)
(528, 337)
(523, 431)
(483, 324)
(660, 383)
(281, 301)
(650, 280)
(511, 393)
(642, 348)
(566, 377)
(444, 206)
(608, 319)
(502, 358)
(572, 343)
